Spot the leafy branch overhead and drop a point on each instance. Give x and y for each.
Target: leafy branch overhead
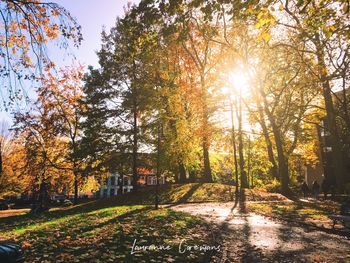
(27, 27)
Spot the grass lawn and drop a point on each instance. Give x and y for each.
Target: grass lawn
(193, 192)
(105, 230)
(316, 213)
(99, 231)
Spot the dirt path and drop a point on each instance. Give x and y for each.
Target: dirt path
(248, 237)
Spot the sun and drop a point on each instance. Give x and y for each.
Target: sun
(239, 81)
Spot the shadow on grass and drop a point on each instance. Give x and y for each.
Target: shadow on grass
(19, 221)
(190, 192)
(187, 195)
(88, 233)
(168, 194)
(303, 211)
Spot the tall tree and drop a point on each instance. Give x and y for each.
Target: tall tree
(323, 29)
(126, 60)
(62, 94)
(98, 140)
(286, 92)
(44, 150)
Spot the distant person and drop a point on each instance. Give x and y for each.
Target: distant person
(315, 189)
(304, 189)
(325, 188)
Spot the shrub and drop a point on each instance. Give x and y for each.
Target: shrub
(273, 187)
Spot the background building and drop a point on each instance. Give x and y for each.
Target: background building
(116, 184)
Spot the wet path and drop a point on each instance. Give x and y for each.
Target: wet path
(248, 237)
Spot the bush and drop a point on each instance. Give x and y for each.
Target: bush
(273, 187)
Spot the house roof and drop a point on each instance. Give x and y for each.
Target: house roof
(145, 171)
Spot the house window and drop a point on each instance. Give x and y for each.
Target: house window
(151, 180)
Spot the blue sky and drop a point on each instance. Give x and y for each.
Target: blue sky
(92, 15)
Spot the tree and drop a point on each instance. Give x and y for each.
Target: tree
(13, 181)
(8, 182)
(62, 95)
(27, 27)
(323, 29)
(196, 39)
(44, 151)
(286, 92)
(127, 65)
(98, 140)
(178, 98)
(4, 143)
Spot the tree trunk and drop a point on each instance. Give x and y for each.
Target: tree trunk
(134, 148)
(192, 177)
(282, 160)
(233, 138)
(207, 169)
(42, 202)
(135, 130)
(282, 163)
(176, 175)
(249, 162)
(274, 168)
(244, 181)
(182, 173)
(76, 184)
(337, 155)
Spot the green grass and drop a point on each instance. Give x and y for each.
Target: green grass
(192, 192)
(316, 213)
(99, 231)
(106, 229)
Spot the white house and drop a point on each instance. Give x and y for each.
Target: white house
(115, 184)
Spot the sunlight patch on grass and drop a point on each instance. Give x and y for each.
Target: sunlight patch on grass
(314, 212)
(96, 231)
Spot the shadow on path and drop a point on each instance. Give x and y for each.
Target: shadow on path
(224, 233)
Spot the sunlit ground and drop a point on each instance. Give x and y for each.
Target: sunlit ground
(97, 232)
